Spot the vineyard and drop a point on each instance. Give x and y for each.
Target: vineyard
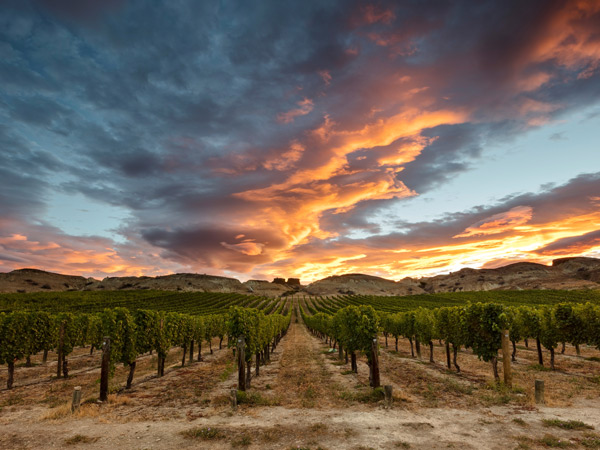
(194, 303)
(102, 339)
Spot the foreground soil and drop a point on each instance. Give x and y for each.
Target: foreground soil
(307, 398)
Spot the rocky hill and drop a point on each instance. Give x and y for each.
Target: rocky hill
(264, 287)
(356, 283)
(33, 280)
(564, 273)
(176, 282)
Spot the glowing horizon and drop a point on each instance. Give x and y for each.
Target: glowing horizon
(302, 140)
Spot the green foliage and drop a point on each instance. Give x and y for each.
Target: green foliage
(145, 323)
(203, 433)
(128, 346)
(257, 329)
(549, 334)
(531, 322)
(483, 324)
(567, 424)
(354, 326)
(193, 303)
(569, 323)
(71, 333)
(425, 325)
(15, 336)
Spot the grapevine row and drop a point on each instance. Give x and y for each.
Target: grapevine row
(197, 303)
(478, 326)
(132, 333)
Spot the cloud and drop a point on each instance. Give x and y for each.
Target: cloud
(250, 140)
(499, 223)
(572, 244)
(305, 107)
(426, 248)
(247, 248)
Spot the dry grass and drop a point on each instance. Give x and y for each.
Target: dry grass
(303, 380)
(64, 411)
(119, 400)
(80, 439)
(60, 412)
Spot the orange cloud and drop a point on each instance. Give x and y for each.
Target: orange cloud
(296, 205)
(499, 223)
(287, 159)
(247, 247)
(305, 107)
(570, 40)
(83, 256)
(523, 240)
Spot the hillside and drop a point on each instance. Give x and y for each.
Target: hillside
(564, 273)
(364, 285)
(33, 280)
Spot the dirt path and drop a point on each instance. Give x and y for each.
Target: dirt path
(304, 379)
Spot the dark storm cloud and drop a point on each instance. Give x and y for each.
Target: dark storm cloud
(85, 10)
(454, 150)
(234, 250)
(22, 173)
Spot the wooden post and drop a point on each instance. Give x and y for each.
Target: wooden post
(104, 371)
(76, 403)
(233, 394)
(241, 360)
(387, 390)
(506, 359)
(375, 380)
(539, 392)
(59, 350)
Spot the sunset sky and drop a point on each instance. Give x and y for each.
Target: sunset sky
(256, 139)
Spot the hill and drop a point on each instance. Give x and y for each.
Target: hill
(564, 273)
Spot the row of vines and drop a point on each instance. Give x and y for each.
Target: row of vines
(478, 326)
(131, 333)
(195, 303)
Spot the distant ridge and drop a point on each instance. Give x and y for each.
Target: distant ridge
(564, 273)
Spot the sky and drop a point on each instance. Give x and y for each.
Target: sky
(259, 139)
